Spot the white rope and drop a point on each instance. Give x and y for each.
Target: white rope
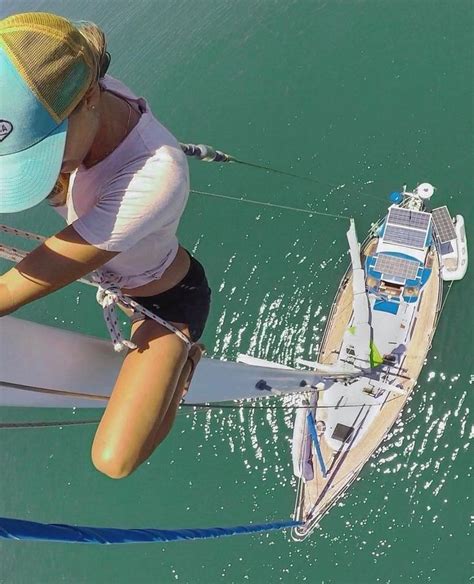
(108, 295)
(20, 233)
(12, 253)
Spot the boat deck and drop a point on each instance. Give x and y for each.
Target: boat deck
(315, 497)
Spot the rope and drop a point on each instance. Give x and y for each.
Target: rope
(20, 529)
(12, 254)
(108, 296)
(21, 233)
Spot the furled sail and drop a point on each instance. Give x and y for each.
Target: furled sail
(356, 351)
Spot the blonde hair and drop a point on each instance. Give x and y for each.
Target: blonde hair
(57, 197)
(97, 44)
(96, 41)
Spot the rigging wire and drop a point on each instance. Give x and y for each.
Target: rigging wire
(208, 153)
(56, 424)
(301, 177)
(445, 298)
(201, 407)
(280, 407)
(264, 204)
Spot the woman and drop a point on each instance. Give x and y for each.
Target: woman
(73, 134)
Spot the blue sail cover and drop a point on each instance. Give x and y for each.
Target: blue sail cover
(19, 529)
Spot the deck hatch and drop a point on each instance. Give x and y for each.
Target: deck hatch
(342, 432)
(398, 267)
(443, 224)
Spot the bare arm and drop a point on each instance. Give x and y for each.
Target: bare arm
(60, 260)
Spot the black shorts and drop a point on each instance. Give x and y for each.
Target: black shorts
(187, 302)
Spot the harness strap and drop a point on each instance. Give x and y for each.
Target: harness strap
(108, 296)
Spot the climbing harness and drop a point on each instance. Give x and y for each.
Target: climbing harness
(108, 296)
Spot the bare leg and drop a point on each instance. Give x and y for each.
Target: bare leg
(146, 388)
(164, 428)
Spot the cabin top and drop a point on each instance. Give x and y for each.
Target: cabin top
(396, 271)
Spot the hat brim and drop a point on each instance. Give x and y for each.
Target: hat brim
(27, 177)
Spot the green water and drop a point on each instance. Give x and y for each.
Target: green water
(366, 94)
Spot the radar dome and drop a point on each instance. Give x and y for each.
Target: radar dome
(425, 191)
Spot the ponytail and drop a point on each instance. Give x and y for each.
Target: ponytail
(97, 43)
(57, 197)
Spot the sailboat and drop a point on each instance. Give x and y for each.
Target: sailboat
(376, 340)
(378, 334)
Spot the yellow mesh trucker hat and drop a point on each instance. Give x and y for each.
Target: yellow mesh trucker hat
(46, 68)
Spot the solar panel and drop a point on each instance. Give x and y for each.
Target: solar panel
(443, 224)
(408, 218)
(398, 267)
(404, 236)
(406, 227)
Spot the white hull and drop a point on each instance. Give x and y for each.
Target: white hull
(371, 417)
(400, 335)
(455, 267)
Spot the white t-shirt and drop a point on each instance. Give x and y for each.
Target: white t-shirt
(132, 201)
